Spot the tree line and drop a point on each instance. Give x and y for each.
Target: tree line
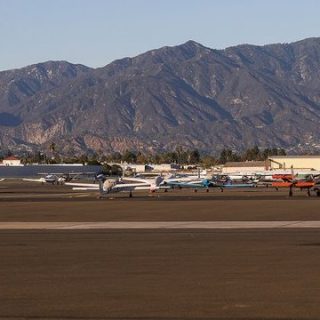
(178, 156)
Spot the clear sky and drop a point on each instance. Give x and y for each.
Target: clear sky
(96, 32)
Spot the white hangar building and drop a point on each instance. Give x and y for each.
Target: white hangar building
(296, 162)
(245, 167)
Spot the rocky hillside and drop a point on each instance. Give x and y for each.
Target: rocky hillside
(187, 95)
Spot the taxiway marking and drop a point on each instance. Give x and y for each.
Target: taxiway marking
(159, 225)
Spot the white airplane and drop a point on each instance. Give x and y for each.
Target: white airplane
(57, 178)
(178, 180)
(53, 179)
(2, 180)
(185, 177)
(118, 185)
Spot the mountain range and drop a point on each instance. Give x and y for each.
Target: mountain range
(187, 95)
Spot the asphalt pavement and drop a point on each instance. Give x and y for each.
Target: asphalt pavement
(176, 255)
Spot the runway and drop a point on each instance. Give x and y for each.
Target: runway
(160, 225)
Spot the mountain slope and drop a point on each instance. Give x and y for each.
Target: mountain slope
(186, 95)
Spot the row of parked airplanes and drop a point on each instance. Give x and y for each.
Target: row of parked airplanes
(304, 180)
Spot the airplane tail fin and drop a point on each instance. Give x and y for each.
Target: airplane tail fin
(206, 183)
(158, 180)
(101, 186)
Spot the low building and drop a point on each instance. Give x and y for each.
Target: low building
(164, 167)
(11, 161)
(296, 162)
(245, 167)
(144, 168)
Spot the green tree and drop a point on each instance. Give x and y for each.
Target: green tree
(116, 170)
(228, 155)
(93, 161)
(252, 154)
(266, 153)
(106, 169)
(83, 159)
(282, 152)
(129, 157)
(9, 153)
(223, 156)
(208, 161)
(194, 157)
(141, 158)
(114, 157)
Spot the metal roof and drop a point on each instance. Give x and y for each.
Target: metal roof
(246, 164)
(11, 158)
(295, 157)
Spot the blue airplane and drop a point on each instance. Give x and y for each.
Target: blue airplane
(233, 185)
(206, 184)
(195, 184)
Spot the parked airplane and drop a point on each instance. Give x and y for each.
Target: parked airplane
(49, 178)
(57, 178)
(302, 181)
(195, 184)
(316, 188)
(220, 182)
(118, 185)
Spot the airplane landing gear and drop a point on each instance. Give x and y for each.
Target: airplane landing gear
(130, 194)
(290, 192)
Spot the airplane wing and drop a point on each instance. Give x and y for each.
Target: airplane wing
(91, 186)
(70, 173)
(131, 185)
(185, 184)
(237, 185)
(84, 189)
(136, 180)
(34, 180)
(118, 187)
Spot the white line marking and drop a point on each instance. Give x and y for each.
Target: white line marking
(159, 225)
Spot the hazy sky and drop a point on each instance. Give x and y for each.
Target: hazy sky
(96, 32)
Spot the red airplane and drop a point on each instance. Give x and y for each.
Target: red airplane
(294, 181)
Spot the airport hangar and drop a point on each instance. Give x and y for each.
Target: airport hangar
(305, 162)
(245, 166)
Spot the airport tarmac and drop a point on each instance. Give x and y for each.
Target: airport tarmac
(171, 274)
(160, 225)
(176, 255)
(23, 202)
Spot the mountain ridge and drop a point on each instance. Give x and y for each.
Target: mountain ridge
(187, 95)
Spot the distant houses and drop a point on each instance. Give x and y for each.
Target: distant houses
(144, 168)
(11, 161)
